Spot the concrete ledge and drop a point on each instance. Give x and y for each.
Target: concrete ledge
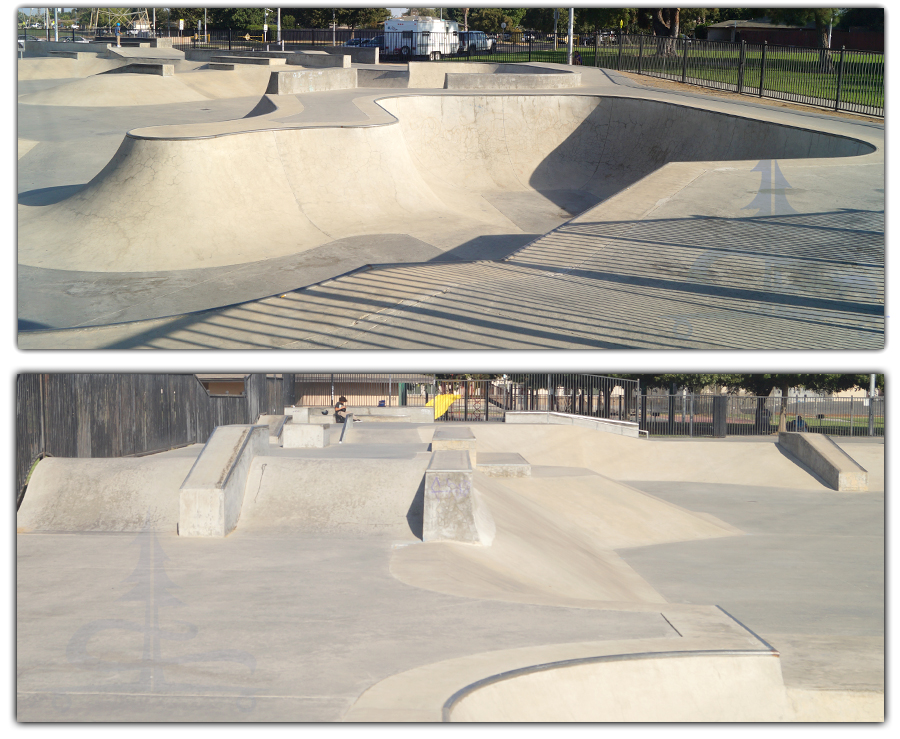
(453, 510)
(607, 425)
(276, 426)
(221, 65)
(826, 459)
(259, 60)
(212, 494)
(306, 435)
(319, 59)
(455, 438)
(311, 80)
(73, 54)
(414, 414)
(43, 48)
(163, 69)
(518, 81)
(503, 464)
(364, 55)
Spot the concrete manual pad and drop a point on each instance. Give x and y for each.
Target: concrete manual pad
(675, 252)
(324, 604)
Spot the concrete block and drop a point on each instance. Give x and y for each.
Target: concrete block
(162, 69)
(221, 65)
(297, 414)
(306, 435)
(453, 510)
(358, 55)
(257, 60)
(276, 425)
(455, 438)
(310, 80)
(212, 494)
(319, 59)
(819, 452)
(503, 464)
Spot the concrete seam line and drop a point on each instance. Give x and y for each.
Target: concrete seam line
(451, 702)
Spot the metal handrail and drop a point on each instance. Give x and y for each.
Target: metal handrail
(348, 421)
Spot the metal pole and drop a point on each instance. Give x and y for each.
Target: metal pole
(205, 31)
(333, 27)
(569, 46)
(390, 387)
(154, 21)
(55, 24)
(840, 79)
(640, 53)
(740, 84)
(279, 24)
(762, 67)
(684, 62)
(852, 418)
(692, 415)
(871, 405)
(619, 58)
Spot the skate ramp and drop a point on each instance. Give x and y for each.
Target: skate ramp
(732, 462)
(870, 456)
(334, 496)
(113, 495)
(676, 688)
(453, 168)
(112, 90)
(548, 551)
(48, 68)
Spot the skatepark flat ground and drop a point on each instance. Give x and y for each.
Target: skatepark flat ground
(686, 252)
(299, 617)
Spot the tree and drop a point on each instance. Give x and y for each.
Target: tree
(822, 17)
(872, 19)
(541, 19)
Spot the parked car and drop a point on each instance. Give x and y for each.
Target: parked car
(355, 42)
(476, 41)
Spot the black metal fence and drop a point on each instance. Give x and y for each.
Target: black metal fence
(747, 415)
(115, 415)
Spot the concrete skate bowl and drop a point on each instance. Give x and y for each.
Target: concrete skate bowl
(449, 170)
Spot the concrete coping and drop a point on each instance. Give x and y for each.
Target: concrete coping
(608, 425)
(453, 433)
(275, 423)
(206, 470)
(450, 460)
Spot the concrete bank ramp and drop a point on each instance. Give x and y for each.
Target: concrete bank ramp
(453, 168)
(49, 68)
(335, 496)
(727, 462)
(869, 455)
(547, 550)
(112, 90)
(121, 494)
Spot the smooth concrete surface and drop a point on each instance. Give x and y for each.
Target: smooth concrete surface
(503, 464)
(826, 459)
(212, 494)
(409, 413)
(324, 604)
(124, 494)
(608, 425)
(276, 426)
(680, 288)
(295, 82)
(455, 438)
(306, 435)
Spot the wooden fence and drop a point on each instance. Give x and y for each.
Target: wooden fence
(117, 415)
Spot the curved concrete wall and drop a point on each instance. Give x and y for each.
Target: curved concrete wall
(700, 687)
(187, 202)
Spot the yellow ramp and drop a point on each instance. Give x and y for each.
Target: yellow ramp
(441, 403)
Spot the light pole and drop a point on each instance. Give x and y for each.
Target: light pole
(571, 31)
(333, 27)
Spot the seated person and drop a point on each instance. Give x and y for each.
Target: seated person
(340, 410)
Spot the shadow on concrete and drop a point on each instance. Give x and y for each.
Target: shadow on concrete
(49, 195)
(416, 514)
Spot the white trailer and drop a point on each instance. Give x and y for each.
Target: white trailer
(420, 36)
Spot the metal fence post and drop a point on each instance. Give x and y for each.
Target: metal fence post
(466, 403)
(852, 417)
(840, 79)
(530, 43)
(640, 53)
(740, 84)
(684, 62)
(619, 58)
(762, 67)
(597, 49)
(692, 415)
